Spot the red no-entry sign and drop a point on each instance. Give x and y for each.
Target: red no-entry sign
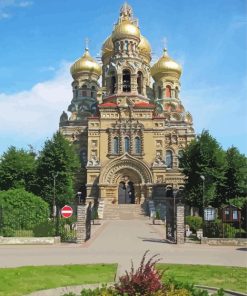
(66, 211)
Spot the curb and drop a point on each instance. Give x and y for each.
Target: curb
(227, 292)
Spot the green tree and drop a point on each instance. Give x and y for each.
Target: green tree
(235, 184)
(21, 210)
(57, 161)
(17, 169)
(203, 159)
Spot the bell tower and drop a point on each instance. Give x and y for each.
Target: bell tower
(126, 55)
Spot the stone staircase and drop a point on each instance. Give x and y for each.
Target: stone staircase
(123, 212)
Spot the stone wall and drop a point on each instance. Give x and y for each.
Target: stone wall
(224, 241)
(29, 240)
(83, 223)
(180, 223)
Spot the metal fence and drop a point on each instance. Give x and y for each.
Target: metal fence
(29, 223)
(219, 229)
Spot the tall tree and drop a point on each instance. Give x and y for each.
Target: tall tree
(56, 168)
(17, 169)
(203, 163)
(235, 184)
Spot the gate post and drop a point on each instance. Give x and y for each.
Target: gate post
(83, 232)
(180, 223)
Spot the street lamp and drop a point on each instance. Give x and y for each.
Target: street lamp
(54, 208)
(203, 179)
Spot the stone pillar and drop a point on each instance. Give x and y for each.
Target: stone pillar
(180, 224)
(83, 232)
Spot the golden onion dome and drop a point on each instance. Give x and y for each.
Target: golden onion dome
(144, 46)
(85, 64)
(107, 47)
(126, 29)
(166, 65)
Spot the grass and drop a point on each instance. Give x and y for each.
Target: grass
(23, 280)
(231, 278)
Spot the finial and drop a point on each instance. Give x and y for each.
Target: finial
(126, 11)
(164, 40)
(86, 43)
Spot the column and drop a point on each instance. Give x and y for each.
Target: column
(180, 224)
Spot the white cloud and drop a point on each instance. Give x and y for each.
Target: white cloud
(6, 5)
(4, 15)
(35, 113)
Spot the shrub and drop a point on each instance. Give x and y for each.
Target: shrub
(194, 222)
(21, 210)
(145, 281)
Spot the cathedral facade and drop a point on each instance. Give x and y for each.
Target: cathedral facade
(131, 129)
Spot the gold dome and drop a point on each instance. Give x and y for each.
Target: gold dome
(85, 64)
(107, 47)
(165, 65)
(125, 29)
(144, 47)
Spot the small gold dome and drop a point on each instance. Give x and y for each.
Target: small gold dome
(125, 29)
(144, 46)
(165, 65)
(107, 47)
(85, 64)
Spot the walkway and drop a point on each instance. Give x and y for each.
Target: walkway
(119, 241)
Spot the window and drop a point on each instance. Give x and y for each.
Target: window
(93, 92)
(84, 90)
(126, 81)
(169, 158)
(169, 191)
(116, 145)
(168, 91)
(127, 144)
(180, 153)
(113, 84)
(137, 145)
(159, 92)
(176, 92)
(139, 82)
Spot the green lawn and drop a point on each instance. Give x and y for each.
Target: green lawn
(231, 278)
(24, 280)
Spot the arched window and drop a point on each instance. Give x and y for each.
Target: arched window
(180, 153)
(159, 92)
(168, 91)
(137, 145)
(83, 157)
(127, 144)
(139, 82)
(113, 83)
(176, 92)
(93, 92)
(76, 90)
(169, 158)
(84, 90)
(169, 191)
(115, 145)
(126, 81)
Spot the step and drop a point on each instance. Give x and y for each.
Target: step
(123, 212)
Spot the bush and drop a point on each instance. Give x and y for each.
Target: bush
(194, 222)
(20, 209)
(145, 281)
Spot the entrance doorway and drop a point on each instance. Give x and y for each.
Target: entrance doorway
(126, 192)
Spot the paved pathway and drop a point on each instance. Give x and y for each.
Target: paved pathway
(119, 241)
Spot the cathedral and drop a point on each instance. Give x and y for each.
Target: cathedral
(126, 119)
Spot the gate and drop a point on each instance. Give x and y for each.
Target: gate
(66, 227)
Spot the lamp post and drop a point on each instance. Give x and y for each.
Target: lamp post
(203, 179)
(54, 208)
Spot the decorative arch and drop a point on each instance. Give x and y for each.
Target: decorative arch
(110, 173)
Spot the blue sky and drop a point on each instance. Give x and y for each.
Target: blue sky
(39, 39)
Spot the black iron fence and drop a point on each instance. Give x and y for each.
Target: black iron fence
(24, 222)
(220, 229)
